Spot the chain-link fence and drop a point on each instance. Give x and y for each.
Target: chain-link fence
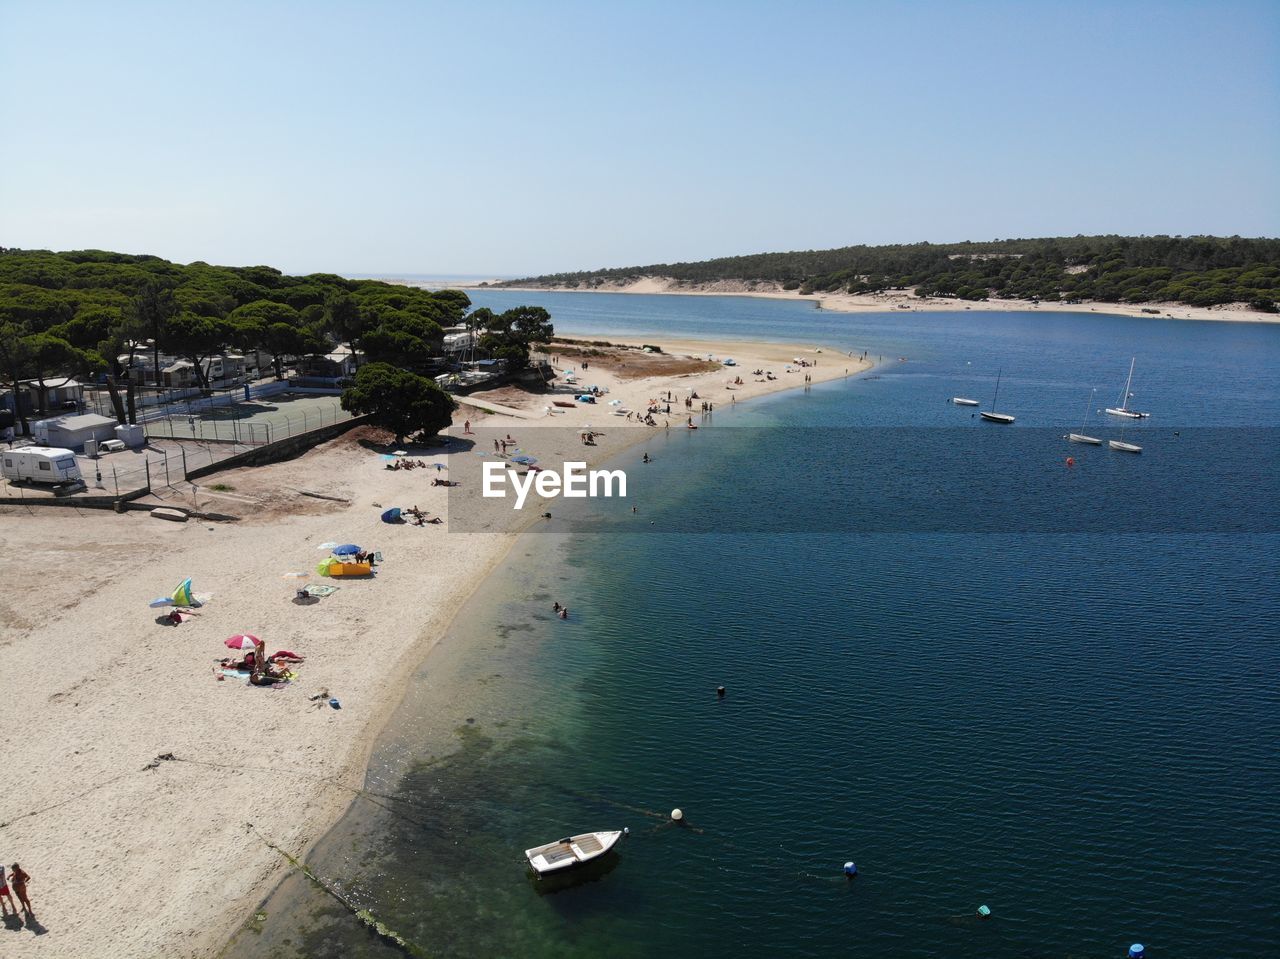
(187, 436)
(253, 422)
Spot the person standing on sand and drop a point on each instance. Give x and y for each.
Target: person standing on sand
(19, 880)
(6, 894)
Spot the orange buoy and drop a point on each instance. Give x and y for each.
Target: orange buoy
(1071, 461)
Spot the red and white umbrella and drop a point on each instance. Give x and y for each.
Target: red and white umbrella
(242, 641)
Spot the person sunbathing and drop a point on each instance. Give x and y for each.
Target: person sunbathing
(240, 665)
(267, 675)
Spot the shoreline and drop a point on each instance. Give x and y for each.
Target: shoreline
(296, 773)
(906, 300)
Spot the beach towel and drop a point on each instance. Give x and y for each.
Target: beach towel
(320, 589)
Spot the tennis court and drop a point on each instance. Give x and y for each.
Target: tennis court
(249, 422)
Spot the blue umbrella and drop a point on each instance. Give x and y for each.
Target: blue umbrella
(350, 549)
(524, 460)
(391, 516)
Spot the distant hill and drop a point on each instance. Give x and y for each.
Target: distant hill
(1196, 270)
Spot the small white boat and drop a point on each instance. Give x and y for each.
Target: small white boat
(1123, 408)
(962, 401)
(1081, 437)
(1124, 447)
(993, 416)
(571, 851)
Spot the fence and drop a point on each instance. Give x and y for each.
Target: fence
(183, 445)
(246, 423)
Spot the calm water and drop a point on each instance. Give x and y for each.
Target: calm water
(1078, 730)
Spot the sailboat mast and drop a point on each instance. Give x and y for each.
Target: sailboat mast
(1124, 400)
(1087, 403)
(996, 398)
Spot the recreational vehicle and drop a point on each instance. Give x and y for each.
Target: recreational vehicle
(40, 464)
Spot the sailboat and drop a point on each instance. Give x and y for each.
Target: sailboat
(1081, 437)
(1123, 408)
(963, 401)
(993, 416)
(1122, 446)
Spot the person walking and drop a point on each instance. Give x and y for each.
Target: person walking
(19, 880)
(6, 894)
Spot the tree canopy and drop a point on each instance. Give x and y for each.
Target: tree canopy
(399, 400)
(508, 336)
(86, 307)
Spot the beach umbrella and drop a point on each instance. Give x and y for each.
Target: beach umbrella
(348, 549)
(524, 460)
(242, 641)
(392, 515)
(181, 596)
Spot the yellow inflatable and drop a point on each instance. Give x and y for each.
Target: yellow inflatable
(335, 567)
(351, 569)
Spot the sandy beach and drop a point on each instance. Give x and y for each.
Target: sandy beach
(906, 300)
(135, 855)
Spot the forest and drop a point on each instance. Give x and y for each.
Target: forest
(75, 313)
(1195, 270)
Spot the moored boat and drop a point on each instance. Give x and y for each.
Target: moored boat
(1124, 447)
(1081, 437)
(963, 401)
(992, 416)
(571, 851)
(1123, 408)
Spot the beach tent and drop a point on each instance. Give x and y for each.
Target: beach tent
(182, 596)
(392, 515)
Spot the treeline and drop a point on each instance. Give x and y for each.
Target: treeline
(1198, 270)
(76, 313)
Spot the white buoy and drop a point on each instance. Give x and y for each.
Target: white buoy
(677, 815)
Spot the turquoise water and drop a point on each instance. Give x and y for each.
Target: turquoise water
(1077, 729)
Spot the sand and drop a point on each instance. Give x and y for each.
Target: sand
(134, 857)
(906, 300)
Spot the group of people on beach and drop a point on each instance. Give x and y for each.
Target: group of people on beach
(500, 446)
(408, 464)
(17, 879)
(264, 670)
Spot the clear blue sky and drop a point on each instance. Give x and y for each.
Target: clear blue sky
(514, 138)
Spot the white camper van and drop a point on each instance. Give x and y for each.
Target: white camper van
(40, 464)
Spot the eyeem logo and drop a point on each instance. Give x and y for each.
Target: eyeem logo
(576, 483)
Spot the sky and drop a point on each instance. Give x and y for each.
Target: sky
(511, 139)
